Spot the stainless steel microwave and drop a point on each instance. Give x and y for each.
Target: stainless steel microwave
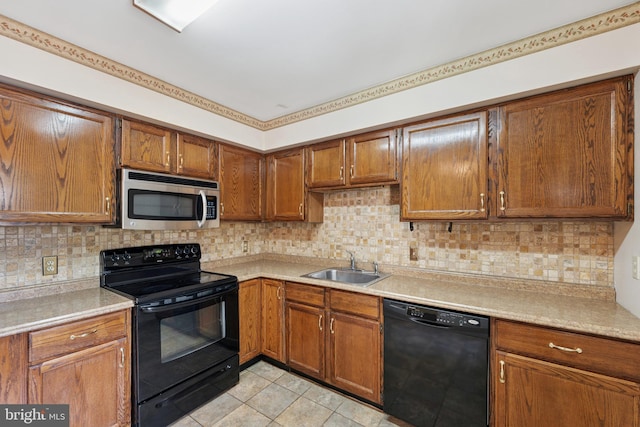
(156, 201)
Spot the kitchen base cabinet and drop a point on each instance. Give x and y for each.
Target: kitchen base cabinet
(85, 364)
(273, 319)
(335, 336)
(250, 303)
(13, 368)
(548, 377)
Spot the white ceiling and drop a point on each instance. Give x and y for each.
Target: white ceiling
(270, 58)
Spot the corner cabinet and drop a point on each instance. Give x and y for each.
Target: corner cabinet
(156, 149)
(567, 154)
(358, 161)
(58, 161)
(287, 196)
(445, 169)
(335, 336)
(549, 377)
(241, 182)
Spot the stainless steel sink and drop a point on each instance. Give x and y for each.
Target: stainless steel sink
(351, 277)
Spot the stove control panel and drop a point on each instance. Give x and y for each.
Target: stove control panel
(145, 255)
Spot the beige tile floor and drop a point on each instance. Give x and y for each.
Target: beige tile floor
(271, 397)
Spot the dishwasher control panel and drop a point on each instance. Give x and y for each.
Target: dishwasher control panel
(443, 317)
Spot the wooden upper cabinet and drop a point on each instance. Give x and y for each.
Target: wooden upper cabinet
(146, 147)
(358, 161)
(568, 153)
(156, 149)
(241, 176)
(197, 157)
(287, 198)
(373, 158)
(326, 162)
(58, 160)
(445, 169)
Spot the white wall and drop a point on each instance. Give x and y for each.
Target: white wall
(627, 235)
(611, 53)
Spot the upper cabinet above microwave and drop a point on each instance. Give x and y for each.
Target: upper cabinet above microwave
(58, 161)
(156, 149)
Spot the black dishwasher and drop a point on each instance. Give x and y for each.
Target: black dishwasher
(435, 366)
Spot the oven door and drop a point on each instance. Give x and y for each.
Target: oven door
(176, 340)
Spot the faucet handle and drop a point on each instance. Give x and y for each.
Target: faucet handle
(375, 267)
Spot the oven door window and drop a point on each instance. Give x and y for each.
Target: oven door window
(145, 204)
(183, 334)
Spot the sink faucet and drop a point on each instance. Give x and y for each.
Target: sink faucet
(375, 268)
(353, 260)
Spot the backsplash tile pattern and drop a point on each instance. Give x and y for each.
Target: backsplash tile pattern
(364, 221)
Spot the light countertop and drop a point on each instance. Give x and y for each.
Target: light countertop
(484, 295)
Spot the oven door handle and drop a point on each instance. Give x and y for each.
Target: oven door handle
(176, 305)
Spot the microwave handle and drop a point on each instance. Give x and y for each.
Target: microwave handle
(203, 199)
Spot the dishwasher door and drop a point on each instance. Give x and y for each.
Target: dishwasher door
(435, 366)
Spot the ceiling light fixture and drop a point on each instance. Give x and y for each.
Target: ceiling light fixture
(175, 13)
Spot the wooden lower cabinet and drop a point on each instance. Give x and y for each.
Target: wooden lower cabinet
(13, 367)
(273, 319)
(335, 336)
(548, 377)
(250, 302)
(85, 364)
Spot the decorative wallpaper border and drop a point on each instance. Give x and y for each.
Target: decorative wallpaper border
(598, 24)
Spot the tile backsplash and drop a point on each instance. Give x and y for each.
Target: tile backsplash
(363, 221)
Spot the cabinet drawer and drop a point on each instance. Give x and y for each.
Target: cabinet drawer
(355, 303)
(51, 342)
(597, 354)
(306, 294)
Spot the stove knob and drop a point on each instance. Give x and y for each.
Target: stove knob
(178, 252)
(194, 250)
(115, 257)
(185, 250)
(126, 256)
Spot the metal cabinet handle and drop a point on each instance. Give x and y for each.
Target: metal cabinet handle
(351, 171)
(502, 202)
(121, 357)
(278, 292)
(83, 335)
(320, 322)
(341, 172)
(502, 379)
(300, 209)
(108, 205)
(168, 163)
(221, 209)
(482, 202)
(181, 161)
(331, 325)
(567, 349)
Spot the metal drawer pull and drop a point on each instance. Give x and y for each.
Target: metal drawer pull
(121, 357)
(571, 350)
(331, 325)
(502, 203)
(341, 172)
(502, 380)
(86, 334)
(481, 202)
(320, 322)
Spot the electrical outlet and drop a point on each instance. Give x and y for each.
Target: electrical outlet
(49, 265)
(245, 246)
(413, 253)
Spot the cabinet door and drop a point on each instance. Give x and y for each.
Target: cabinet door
(445, 169)
(196, 157)
(566, 154)
(94, 382)
(373, 158)
(285, 185)
(305, 339)
(13, 369)
(58, 161)
(273, 319)
(355, 355)
(533, 393)
(250, 302)
(147, 147)
(326, 164)
(241, 175)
